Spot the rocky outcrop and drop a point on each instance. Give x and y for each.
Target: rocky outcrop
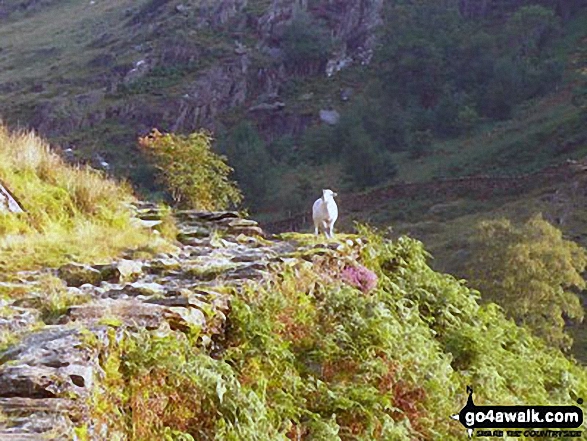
(216, 90)
(237, 62)
(7, 202)
(48, 378)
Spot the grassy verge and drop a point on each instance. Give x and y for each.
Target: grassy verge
(71, 213)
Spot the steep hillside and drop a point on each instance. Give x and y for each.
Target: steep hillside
(235, 336)
(65, 212)
(291, 88)
(94, 75)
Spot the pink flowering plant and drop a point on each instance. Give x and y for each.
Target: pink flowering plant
(359, 277)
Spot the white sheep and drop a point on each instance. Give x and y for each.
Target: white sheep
(325, 213)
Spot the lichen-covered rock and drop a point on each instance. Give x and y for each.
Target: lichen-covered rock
(131, 313)
(15, 319)
(162, 266)
(53, 362)
(75, 274)
(136, 289)
(124, 270)
(177, 315)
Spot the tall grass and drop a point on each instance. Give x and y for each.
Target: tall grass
(71, 212)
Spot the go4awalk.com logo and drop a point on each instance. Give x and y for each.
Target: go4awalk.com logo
(496, 420)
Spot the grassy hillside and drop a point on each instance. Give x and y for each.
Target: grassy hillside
(339, 345)
(92, 76)
(70, 213)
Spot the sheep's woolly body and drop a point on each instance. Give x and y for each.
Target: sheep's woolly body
(325, 213)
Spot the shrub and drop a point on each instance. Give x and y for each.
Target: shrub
(195, 176)
(359, 277)
(305, 358)
(248, 155)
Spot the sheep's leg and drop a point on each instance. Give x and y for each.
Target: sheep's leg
(326, 227)
(331, 229)
(316, 228)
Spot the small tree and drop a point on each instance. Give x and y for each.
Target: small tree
(531, 271)
(195, 176)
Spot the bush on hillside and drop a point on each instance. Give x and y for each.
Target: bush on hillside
(247, 153)
(193, 174)
(305, 42)
(532, 272)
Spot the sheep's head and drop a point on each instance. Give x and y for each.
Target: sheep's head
(328, 194)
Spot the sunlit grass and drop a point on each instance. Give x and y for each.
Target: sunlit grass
(71, 213)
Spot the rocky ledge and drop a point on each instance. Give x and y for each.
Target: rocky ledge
(48, 377)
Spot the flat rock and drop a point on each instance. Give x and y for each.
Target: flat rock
(131, 313)
(136, 289)
(205, 215)
(137, 314)
(162, 265)
(193, 232)
(53, 362)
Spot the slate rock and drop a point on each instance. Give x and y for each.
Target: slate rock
(75, 274)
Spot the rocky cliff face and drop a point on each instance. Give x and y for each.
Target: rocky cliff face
(48, 379)
(196, 61)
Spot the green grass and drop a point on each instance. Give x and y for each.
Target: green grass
(57, 39)
(71, 213)
(527, 143)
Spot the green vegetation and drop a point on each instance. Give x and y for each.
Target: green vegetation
(194, 176)
(71, 213)
(305, 42)
(309, 357)
(55, 299)
(452, 89)
(532, 272)
(447, 95)
(251, 162)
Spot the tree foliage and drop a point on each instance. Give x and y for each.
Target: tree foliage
(248, 154)
(435, 59)
(532, 272)
(193, 174)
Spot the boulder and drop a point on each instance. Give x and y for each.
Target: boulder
(75, 274)
(7, 202)
(330, 117)
(124, 270)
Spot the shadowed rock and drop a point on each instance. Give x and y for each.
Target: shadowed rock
(75, 274)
